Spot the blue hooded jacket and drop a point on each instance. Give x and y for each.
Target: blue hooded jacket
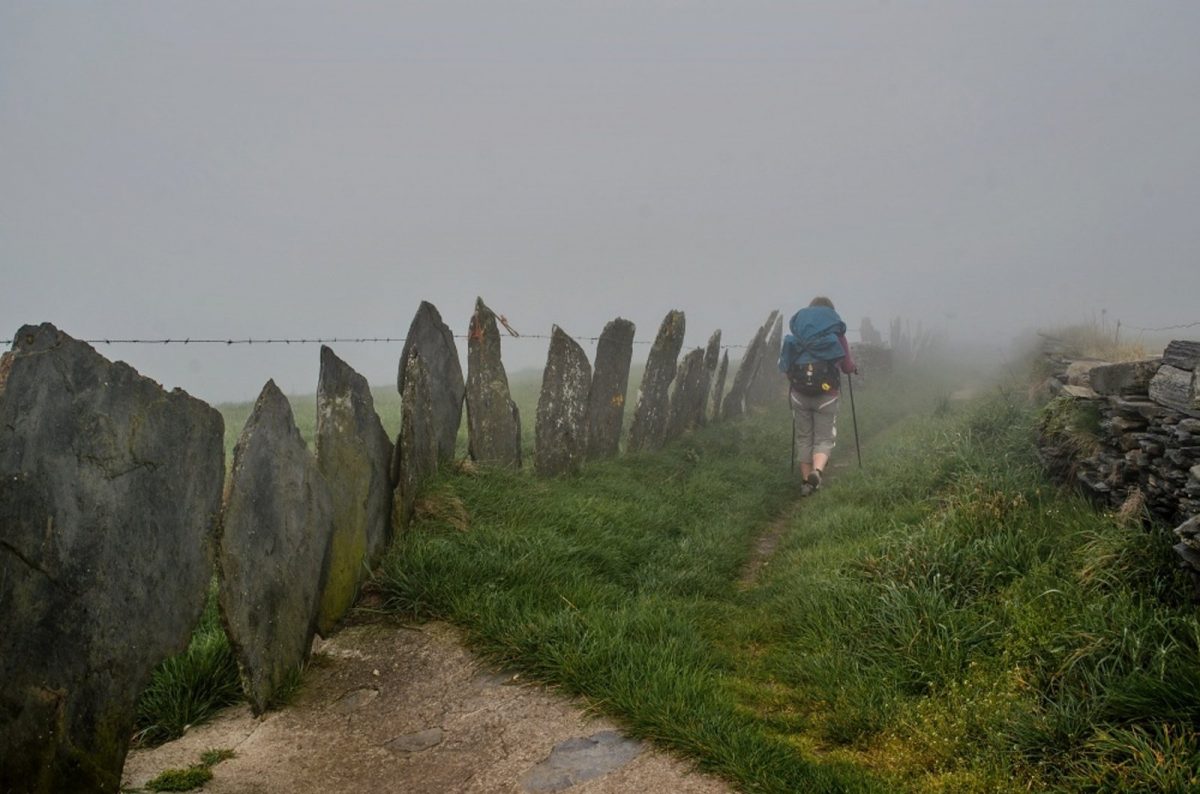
(814, 337)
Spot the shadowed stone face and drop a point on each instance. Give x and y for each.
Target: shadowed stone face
(273, 550)
(562, 412)
(689, 395)
(649, 428)
(736, 401)
(432, 338)
(769, 385)
(610, 382)
(416, 448)
(354, 455)
(718, 391)
(493, 422)
(109, 493)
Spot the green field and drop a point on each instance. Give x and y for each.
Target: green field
(940, 620)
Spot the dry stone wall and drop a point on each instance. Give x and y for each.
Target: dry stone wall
(1143, 425)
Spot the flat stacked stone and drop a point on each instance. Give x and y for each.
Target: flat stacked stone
(1176, 388)
(610, 382)
(110, 489)
(561, 430)
(735, 402)
(718, 391)
(493, 421)
(273, 549)
(1182, 354)
(688, 396)
(417, 446)
(433, 340)
(649, 427)
(1125, 378)
(354, 455)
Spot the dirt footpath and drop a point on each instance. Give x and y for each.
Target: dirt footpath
(390, 707)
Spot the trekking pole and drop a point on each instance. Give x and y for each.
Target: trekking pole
(853, 415)
(793, 439)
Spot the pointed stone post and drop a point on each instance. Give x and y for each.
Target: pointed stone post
(688, 395)
(417, 447)
(649, 427)
(493, 421)
(610, 381)
(561, 431)
(433, 340)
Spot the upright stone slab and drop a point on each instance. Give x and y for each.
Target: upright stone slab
(110, 488)
(493, 422)
(416, 448)
(712, 352)
(649, 427)
(735, 402)
(273, 548)
(1182, 354)
(769, 385)
(689, 395)
(1125, 378)
(718, 391)
(354, 455)
(610, 381)
(433, 340)
(1176, 388)
(561, 432)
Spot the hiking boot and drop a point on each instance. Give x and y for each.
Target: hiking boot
(806, 490)
(814, 479)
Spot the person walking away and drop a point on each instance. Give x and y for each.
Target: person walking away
(814, 356)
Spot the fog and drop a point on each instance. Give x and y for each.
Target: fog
(252, 169)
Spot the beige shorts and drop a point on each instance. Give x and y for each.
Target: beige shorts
(815, 419)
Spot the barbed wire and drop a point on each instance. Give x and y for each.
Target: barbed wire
(316, 341)
(1164, 328)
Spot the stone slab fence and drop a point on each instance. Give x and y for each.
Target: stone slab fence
(1144, 422)
(116, 511)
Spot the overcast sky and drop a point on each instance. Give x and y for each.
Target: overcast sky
(242, 169)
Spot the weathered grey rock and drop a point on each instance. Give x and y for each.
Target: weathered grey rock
(273, 548)
(354, 455)
(1079, 373)
(109, 493)
(649, 427)
(433, 340)
(718, 390)
(1182, 354)
(416, 448)
(735, 402)
(561, 430)
(769, 385)
(493, 422)
(1175, 388)
(577, 760)
(1126, 377)
(712, 352)
(1079, 392)
(610, 382)
(688, 395)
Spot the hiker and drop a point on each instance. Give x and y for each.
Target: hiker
(813, 357)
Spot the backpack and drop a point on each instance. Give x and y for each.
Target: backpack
(814, 378)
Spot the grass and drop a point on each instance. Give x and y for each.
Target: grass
(191, 777)
(939, 621)
(190, 687)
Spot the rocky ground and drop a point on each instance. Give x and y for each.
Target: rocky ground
(387, 706)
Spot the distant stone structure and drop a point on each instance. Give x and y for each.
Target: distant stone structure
(273, 550)
(493, 421)
(354, 456)
(649, 427)
(688, 396)
(718, 391)
(109, 494)
(561, 430)
(610, 382)
(768, 385)
(737, 400)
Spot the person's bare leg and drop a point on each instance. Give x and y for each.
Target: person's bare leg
(805, 469)
(819, 461)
